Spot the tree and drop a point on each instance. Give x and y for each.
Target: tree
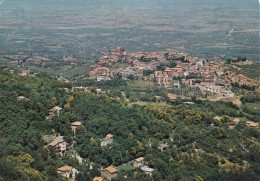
(22, 168)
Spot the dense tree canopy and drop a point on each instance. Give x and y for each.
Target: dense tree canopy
(197, 146)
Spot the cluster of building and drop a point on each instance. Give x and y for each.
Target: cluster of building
(60, 147)
(234, 122)
(210, 77)
(111, 172)
(134, 63)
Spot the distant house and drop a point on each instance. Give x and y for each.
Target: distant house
(172, 97)
(231, 125)
(162, 146)
(98, 91)
(75, 125)
(25, 72)
(139, 162)
(60, 146)
(158, 98)
(80, 88)
(108, 140)
(227, 93)
(66, 171)
(55, 109)
(109, 136)
(159, 79)
(99, 179)
(168, 72)
(109, 173)
(252, 124)
(22, 98)
(147, 170)
(102, 71)
(103, 78)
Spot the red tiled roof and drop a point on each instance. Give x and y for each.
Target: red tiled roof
(65, 168)
(111, 169)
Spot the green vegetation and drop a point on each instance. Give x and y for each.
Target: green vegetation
(199, 147)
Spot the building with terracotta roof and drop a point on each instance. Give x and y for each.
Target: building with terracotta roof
(109, 136)
(109, 173)
(108, 140)
(54, 109)
(59, 145)
(252, 124)
(66, 171)
(139, 162)
(75, 125)
(99, 179)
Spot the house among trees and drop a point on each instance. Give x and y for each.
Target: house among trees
(99, 179)
(162, 146)
(80, 88)
(25, 72)
(59, 144)
(109, 173)
(22, 98)
(147, 170)
(172, 97)
(109, 136)
(109, 140)
(75, 125)
(101, 71)
(99, 91)
(158, 98)
(53, 110)
(139, 162)
(231, 125)
(252, 124)
(103, 78)
(67, 171)
(159, 80)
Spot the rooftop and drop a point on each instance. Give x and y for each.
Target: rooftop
(56, 141)
(139, 159)
(65, 168)
(111, 169)
(77, 123)
(98, 179)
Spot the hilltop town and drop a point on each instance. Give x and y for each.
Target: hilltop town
(171, 71)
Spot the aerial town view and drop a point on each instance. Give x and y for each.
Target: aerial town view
(141, 90)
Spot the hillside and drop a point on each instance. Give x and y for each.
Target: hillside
(180, 142)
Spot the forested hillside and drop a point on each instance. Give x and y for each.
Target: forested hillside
(198, 147)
